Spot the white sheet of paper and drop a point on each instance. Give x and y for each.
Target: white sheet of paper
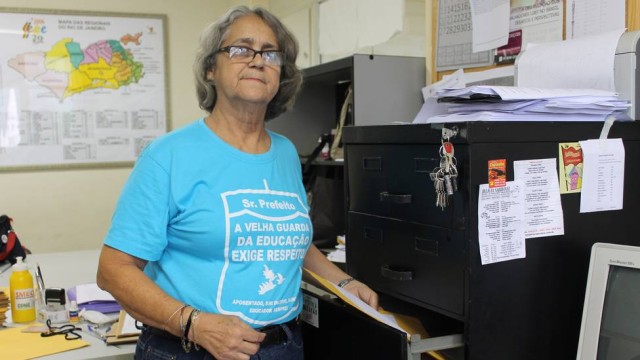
(588, 17)
(501, 222)
(534, 93)
(490, 21)
(454, 80)
(543, 208)
(602, 175)
(364, 307)
(585, 63)
(91, 292)
(430, 109)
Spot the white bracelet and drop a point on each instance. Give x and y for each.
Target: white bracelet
(344, 282)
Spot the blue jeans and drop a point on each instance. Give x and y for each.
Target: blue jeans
(152, 346)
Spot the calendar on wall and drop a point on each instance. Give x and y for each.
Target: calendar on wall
(454, 38)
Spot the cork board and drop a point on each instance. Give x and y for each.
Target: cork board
(632, 24)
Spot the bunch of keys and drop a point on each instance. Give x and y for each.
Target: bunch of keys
(445, 176)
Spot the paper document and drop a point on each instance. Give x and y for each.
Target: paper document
(543, 208)
(522, 92)
(602, 175)
(501, 222)
(454, 80)
(19, 345)
(491, 19)
(355, 301)
(91, 292)
(510, 103)
(91, 297)
(580, 63)
(588, 17)
(503, 116)
(430, 109)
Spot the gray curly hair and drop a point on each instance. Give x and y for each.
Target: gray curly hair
(211, 40)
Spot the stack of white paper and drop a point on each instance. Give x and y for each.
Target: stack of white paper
(509, 103)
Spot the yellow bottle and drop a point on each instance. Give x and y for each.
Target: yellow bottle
(23, 302)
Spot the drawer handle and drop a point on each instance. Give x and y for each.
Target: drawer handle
(388, 197)
(399, 274)
(371, 234)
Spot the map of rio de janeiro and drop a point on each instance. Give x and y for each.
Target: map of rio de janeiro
(68, 69)
(80, 88)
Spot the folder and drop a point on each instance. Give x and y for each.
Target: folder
(91, 297)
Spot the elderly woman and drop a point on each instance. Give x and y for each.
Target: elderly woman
(211, 231)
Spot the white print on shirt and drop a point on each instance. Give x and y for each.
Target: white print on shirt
(268, 233)
(271, 277)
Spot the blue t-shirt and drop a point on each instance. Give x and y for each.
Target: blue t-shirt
(222, 230)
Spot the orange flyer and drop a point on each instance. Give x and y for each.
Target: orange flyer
(497, 173)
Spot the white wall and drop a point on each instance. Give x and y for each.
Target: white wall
(61, 210)
(409, 42)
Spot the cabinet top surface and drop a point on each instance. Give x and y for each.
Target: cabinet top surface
(488, 132)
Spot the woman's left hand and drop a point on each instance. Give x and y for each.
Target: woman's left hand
(363, 292)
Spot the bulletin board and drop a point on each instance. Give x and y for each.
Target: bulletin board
(457, 27)
(80, 89)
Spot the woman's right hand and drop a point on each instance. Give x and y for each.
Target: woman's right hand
(226, 337)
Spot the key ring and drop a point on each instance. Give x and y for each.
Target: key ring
(69, 331)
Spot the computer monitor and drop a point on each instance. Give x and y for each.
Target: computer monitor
(611, 314)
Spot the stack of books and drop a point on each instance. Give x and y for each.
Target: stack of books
(4, 307)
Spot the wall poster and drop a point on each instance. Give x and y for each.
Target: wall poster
(80, 88)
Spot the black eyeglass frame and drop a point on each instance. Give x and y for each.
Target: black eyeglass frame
(227, 49)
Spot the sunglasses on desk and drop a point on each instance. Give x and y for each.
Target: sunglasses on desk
(69, 331)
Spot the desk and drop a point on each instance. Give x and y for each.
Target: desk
(67, 269)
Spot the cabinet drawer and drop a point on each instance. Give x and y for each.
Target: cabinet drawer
(393, 181)
(422, 263)
(333, 330)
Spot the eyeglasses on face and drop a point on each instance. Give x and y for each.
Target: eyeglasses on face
(247, 54)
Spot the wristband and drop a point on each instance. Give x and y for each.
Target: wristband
(344, 282)
(186, 343)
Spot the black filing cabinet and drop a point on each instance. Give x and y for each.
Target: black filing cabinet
(407, 248)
